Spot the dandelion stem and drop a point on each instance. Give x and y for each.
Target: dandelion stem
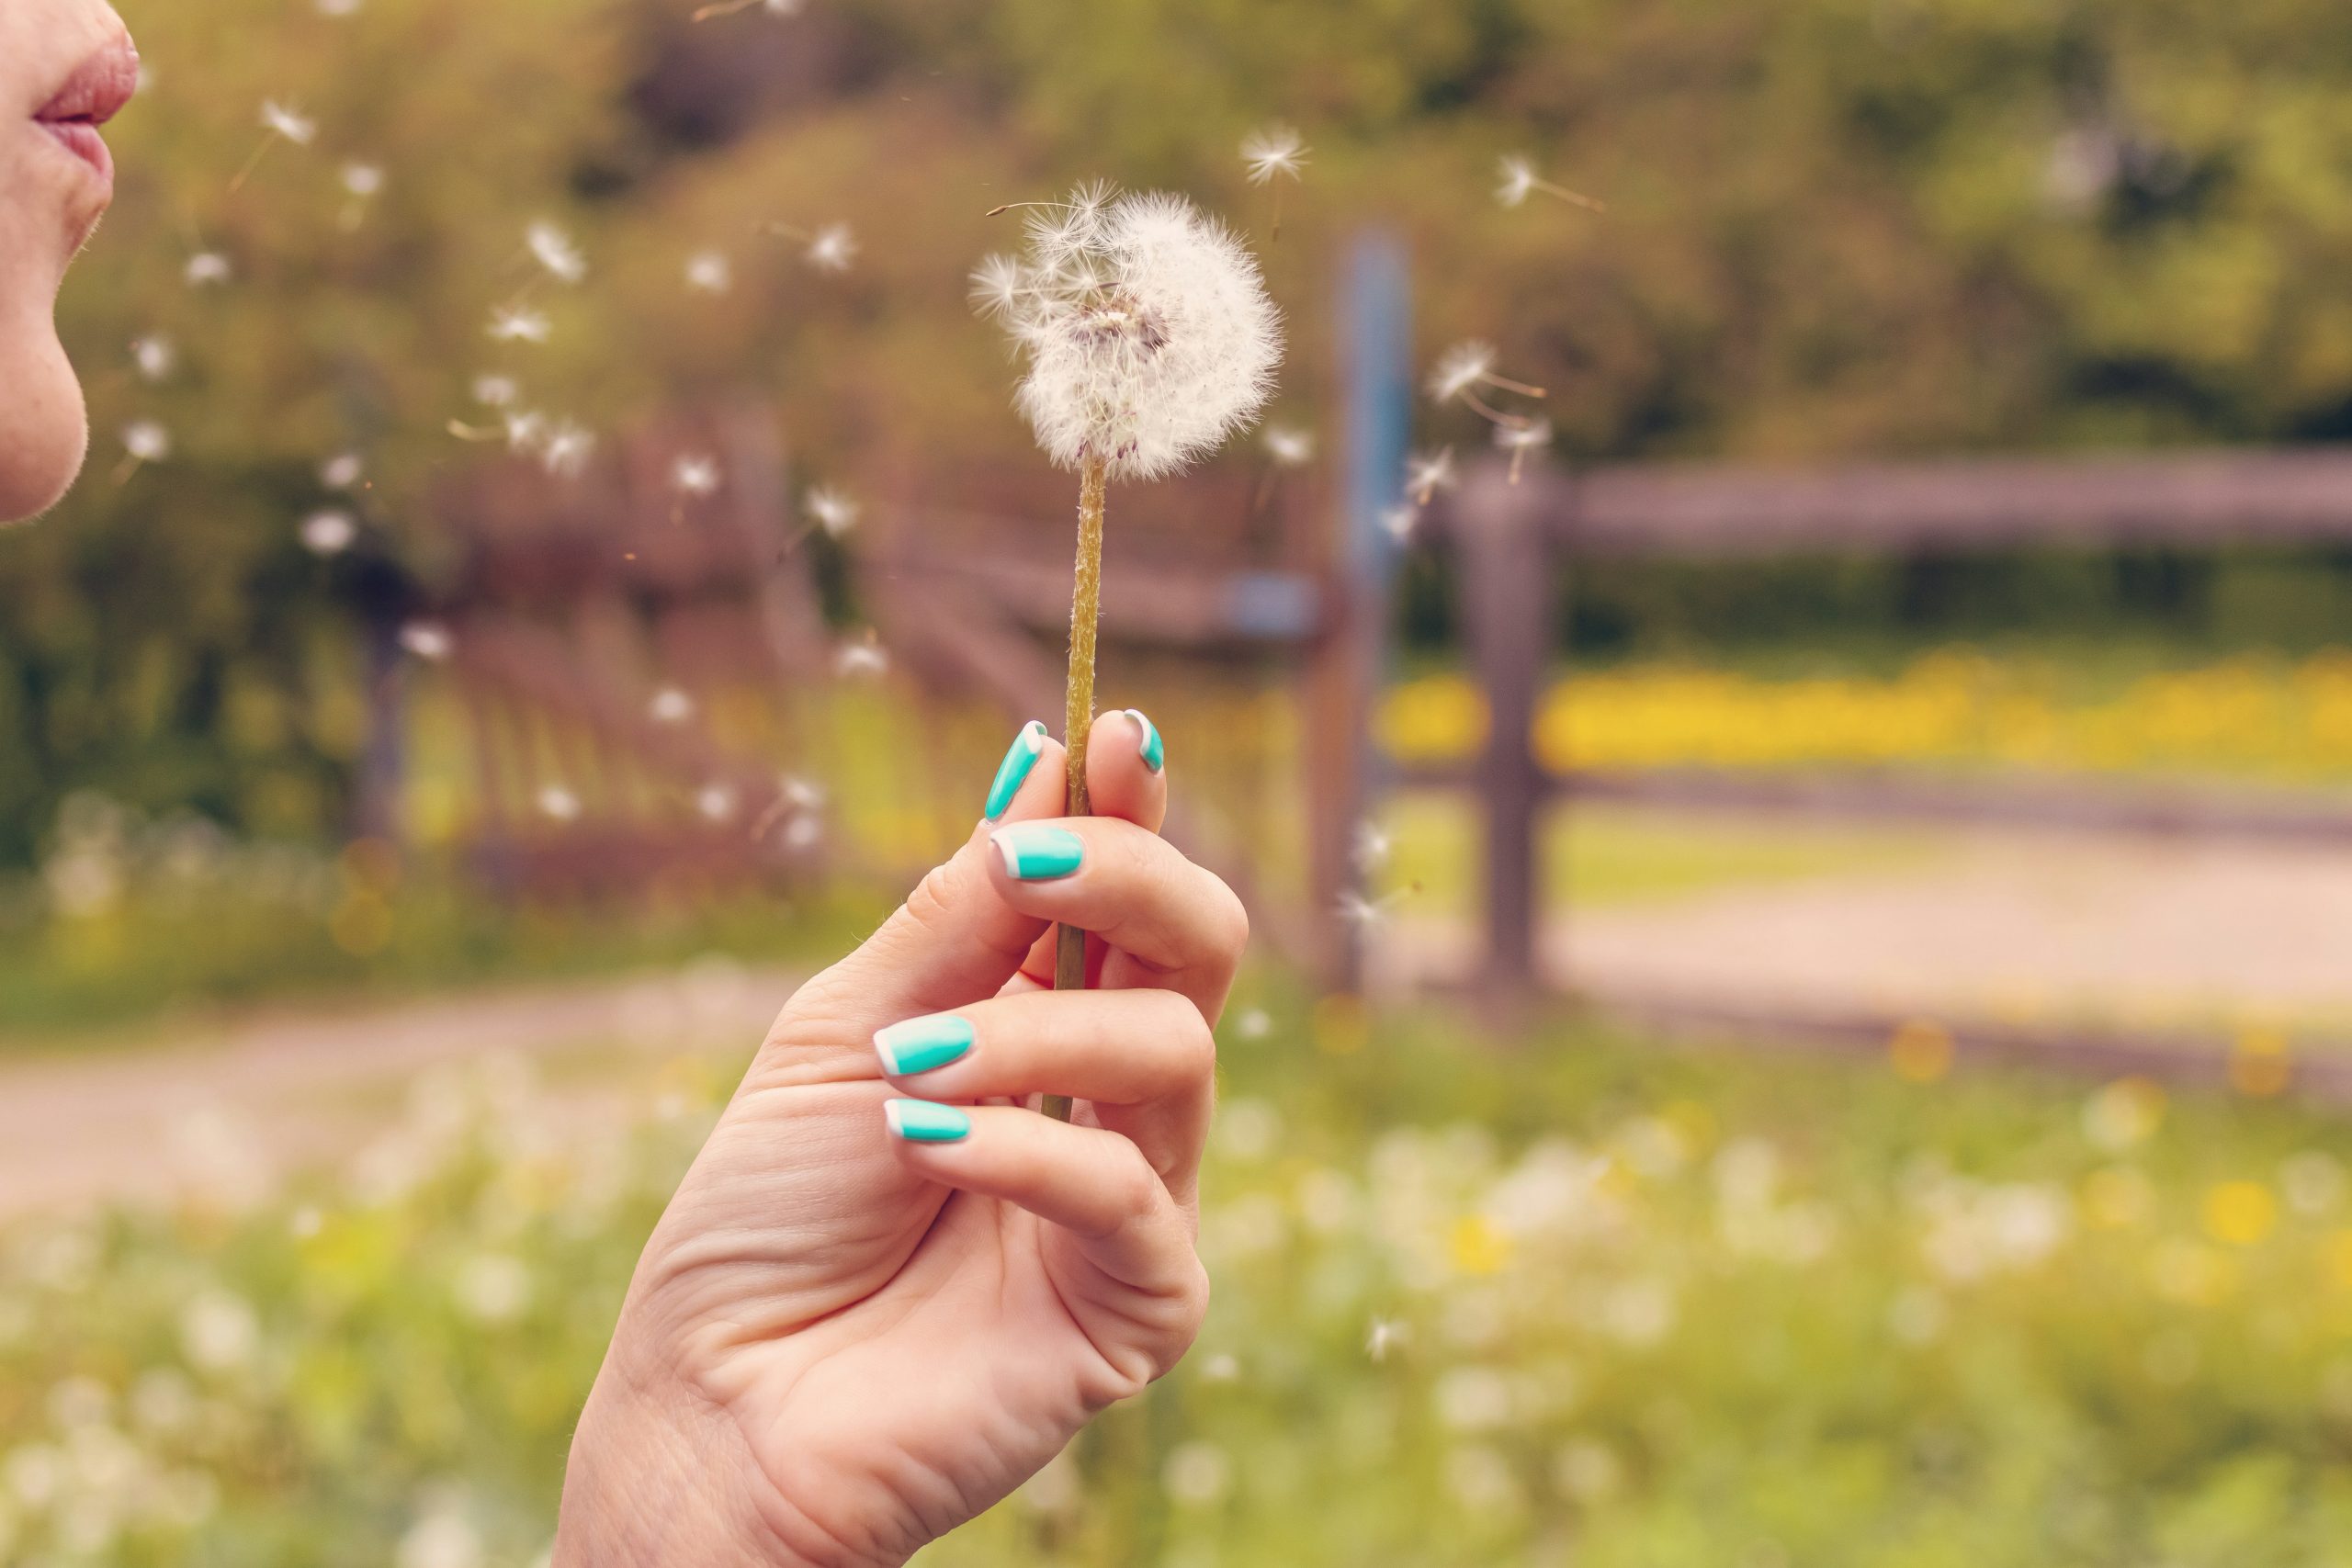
(1484, 410)
(1565, 194)
(251, 164)
(723, 8)
(1078, 711)
(1507, 385)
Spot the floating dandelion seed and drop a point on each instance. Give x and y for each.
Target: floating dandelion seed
(692, 475)
(833, 248)
(1398, 521)
(568, 449)
(835, 512)
(1373, 847)
(671, 706)
(1367, 914)
(143, 441)
(1254, 1024)
(279, 121)
(1520, 440)
(1465, 367)
(494, 392)
(1149, 340)
(802, 794)
(338, 7)
(516, 323)
(1290, 448)
(559, 802)
(1518, 180)
(709, 272)
(524, 432)
(1384, 1335)
(729, 8)
(329, 533)
(716, 802)
(1269, 150)
(428, 641)
(206, 268)
(340, 471)
(553, 249)
(154, 355)
(1426, 473)
(865, 658)
(361, 182)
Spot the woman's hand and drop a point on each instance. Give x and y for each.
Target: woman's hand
(888, 1291)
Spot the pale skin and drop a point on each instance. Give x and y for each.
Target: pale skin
(839, 1345)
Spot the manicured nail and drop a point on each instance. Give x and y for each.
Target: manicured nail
(920, 1044)
(925, 1121)
(1155, 753)
(1014, 771)
(1038, 851)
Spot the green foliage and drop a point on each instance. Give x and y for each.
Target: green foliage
(1637, 1306)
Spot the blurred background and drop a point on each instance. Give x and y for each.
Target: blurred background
(1799, 998)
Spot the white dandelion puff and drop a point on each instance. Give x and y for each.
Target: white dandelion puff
(553, 249)
(329, 533)
(154, 355)
(832, 248)
(694, 474)
(1273, 150)
(568, 449)
(1288, 447)
(671, 706)
(517, 323)
(341, 471)
(1517, 180)
(1426, 473)
(206, 268)
(835, 512)
(709, 272)
(559, 804)
(1146, 330)
(428, 641)
(1519, 440)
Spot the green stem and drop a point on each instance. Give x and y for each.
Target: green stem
(1078, 712)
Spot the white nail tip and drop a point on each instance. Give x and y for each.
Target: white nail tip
(1007, 856)
(895, 1115)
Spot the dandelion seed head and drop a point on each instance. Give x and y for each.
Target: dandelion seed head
(709, 272)
(154, 355)
(363, 180)
(553, 249)
(834, 512)
(341, 471)
(1146, 328)
(516, 323)
(206, 268)
(1460, 368)
(671, 706)
(328, 533)
(147, 441)
(429, 641)
(284, 120)
(694, 474)
(494, 392)
(567, 451)
(1291, 448)
(1273, 150)
(559, 802)
(1516, 179)
(832, 248)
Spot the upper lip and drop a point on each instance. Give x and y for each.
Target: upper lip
(98, 88)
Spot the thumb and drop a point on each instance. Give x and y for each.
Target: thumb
(955, 940)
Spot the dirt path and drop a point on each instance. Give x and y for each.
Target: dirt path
(251, 1099)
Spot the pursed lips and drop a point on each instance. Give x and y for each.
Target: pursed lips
(93, 95)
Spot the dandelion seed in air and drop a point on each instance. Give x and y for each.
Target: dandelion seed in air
(1426, 473)
(495, 391)
(1289, 448)
(1149, 340)
(329, 533)
(1518, 180)
(835, 512)
(730, 7)
(1255, 1024)
(1384, 1335)
(1398, 521)
(206, 268)
(695, 475)
(1373, 847)
(716, 802)
(1465, 367)
(1367, 914)
(143, 441)
(154, 355)
(833, 248)
(553, 249)
(855, 660)
(516, 323)
(361, 182)
(568, 449)
(341, 471)
(338, 7)
(671, 706)
(278, 122)
(1272, 154)
(1520, 440)
(428, 641)
(709, 272)
(559, 804)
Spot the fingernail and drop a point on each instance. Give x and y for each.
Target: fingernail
(1038, 851)
(925, 1121)
(1014, 771)
(920, 1044)
(1155, 753)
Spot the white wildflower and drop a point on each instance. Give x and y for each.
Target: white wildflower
(832, 248)
(284, 120)
(329, 533)
(516, 323)
(835, 512)
(1273, 150)
(553, 249)
(154, 355)
(695, 474)
(428, 641)
(710, 272)
(1518, 180)
(1146, 330)
(204, 267)
(1290, 448)
(341, 471)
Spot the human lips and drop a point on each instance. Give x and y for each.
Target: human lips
(92, 95)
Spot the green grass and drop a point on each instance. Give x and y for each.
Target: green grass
(1646, 1307)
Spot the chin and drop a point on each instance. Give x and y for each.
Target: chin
(47, 432)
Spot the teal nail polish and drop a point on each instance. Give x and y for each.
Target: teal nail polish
(1014, 771)
(1155, 753)
(920, 1044)
(1038, 851)
(925, 1121)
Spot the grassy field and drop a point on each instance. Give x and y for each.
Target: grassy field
(1568, 1296)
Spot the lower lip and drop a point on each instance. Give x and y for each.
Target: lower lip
(83, 140)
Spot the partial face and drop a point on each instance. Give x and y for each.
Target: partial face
(65, 67)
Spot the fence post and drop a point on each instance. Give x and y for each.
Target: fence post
(1506, 609)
